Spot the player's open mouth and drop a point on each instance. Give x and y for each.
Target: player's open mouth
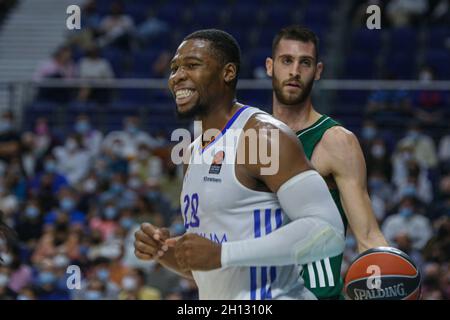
(182, 96)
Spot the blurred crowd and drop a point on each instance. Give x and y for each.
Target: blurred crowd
(78, 201)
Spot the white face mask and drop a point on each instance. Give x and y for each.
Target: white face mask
(129, 283)
(7, 259)
(71, 145)
(4, 279)
(378, 151)
(90, 185)
(425, 76)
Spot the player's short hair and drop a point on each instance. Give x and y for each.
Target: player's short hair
(224, 45)
(299, 33)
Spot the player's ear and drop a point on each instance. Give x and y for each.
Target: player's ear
(229, 72)
(319, 70)
(269, 66)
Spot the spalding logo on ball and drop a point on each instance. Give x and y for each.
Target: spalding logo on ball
(382, 273)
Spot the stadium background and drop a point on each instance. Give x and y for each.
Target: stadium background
(84, 162)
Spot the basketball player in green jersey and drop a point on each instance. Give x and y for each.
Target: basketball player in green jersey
(333, 150)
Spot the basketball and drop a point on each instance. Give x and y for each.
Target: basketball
(382, 273)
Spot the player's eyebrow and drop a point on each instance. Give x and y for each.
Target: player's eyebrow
(287, 55)
(190, 57)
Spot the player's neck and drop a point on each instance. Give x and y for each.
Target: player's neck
(297, 117)
(218, 116)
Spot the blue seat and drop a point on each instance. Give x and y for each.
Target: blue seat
(439, 60)
(401, 64)
(206, 16)
(116, 58)
(359, 66)
(244, 16)
(366, 40)
(436, 37)
(403, 39)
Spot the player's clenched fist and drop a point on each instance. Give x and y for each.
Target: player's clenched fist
(149, 242)
(194, 252)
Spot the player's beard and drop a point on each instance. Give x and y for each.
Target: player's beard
(291, 99)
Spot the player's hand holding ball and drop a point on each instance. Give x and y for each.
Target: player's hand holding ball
(382, 273)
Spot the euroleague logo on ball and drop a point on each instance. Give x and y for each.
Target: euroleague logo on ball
(382, 273)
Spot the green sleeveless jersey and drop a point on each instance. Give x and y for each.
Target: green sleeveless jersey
(323, 277)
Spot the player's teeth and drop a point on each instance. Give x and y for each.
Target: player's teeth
(183, 93)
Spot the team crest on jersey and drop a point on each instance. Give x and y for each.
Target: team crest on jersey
(216, 165)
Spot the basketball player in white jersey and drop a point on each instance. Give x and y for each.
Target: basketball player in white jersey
(246, 231)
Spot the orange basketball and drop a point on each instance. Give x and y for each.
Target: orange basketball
(382, 273)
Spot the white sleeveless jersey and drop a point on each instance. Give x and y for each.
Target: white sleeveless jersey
(218, 207)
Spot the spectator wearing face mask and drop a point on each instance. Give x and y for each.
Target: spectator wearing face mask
(146, 165)
(48, 179)
(67, 207)
(91, 138)
(29, 223)
(134, 288)
(73, 160)
(47, 285)
(380, 194)
(129, 138)
(107, 224)
(417, 184)
(423, 147)
(409, 222)
(378, 159)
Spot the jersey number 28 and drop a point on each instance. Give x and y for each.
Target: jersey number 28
(191, 219)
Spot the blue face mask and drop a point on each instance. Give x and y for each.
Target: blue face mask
(46, 278)
(5, 126)
(406, 212)
(375, 184)
(93, 295)
(67, 204)
(127, 223)
(50, 167)
(82, 127)
(369, 133)
(409, 191)
(110, 213)
(131, 129)
(103, 274)
(413, 134)
(32, 212)
(116, 187)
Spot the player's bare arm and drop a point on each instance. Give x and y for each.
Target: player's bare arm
(340, 155)
(315, 229)
(291, 158)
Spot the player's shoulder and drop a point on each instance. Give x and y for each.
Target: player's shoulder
(338, 138)
(263, 120)
(272, 130)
